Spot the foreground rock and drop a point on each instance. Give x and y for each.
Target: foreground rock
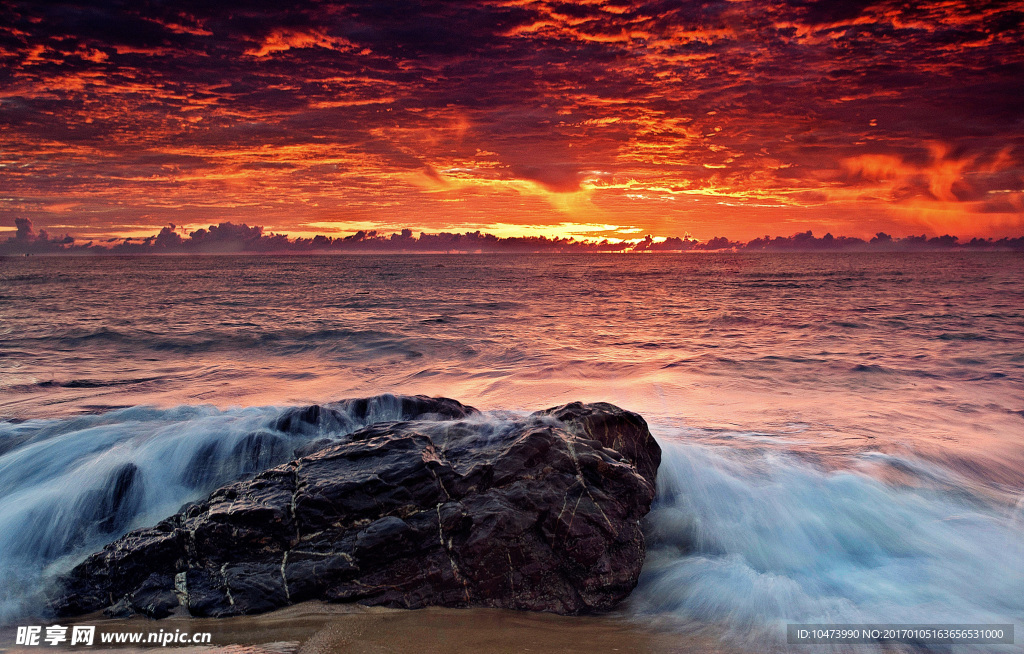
(541, 513)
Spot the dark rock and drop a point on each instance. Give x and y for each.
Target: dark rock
(301, 419)
(404, 407)
(616, 429)
(155, 597)
(105, 509)
(342, 416)
(202, 468)
(258, 451)
(255, 452)
(539, 513)
(117, 502)
(313, 447)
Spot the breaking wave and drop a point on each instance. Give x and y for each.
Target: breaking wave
(70, 486)
(752, 540)
(746, 539)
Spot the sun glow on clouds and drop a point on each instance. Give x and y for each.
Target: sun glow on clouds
(943, 193)
(588, 231)
(579, 231)
(718, 118)
(476, 185)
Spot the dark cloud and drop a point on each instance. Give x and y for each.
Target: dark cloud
(765, 101)
(819, 12)
(241, 238)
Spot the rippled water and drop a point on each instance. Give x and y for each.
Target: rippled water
(844, 433)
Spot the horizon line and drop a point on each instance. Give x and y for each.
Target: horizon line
(232, 238)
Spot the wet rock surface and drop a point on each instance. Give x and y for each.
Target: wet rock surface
(453, 508)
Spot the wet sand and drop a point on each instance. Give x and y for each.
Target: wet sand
(318, 628)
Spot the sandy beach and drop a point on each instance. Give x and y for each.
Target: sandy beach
(319, 628)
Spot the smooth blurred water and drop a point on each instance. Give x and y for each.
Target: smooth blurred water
(756, 540)
(844, 433)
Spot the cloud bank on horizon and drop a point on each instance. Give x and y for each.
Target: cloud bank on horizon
(598, 119)
(229, 238)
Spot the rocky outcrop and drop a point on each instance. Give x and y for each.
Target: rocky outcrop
(459, 509)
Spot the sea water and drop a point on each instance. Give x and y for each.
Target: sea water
(843, 434)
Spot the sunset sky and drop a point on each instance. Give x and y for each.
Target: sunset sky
(596, 119)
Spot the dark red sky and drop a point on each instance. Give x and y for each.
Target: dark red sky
(599, 118)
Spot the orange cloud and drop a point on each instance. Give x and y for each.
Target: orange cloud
(718, 118)
(946, 194)
(941, 176)
(286, 39)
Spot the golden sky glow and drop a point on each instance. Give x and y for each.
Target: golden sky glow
(590, 119)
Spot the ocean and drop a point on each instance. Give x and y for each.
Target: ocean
(843, 433)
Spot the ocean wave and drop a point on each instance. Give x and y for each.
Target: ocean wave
(93, 383)
(746, 538)
(963, 336)
(753, 540)
(284, 341)
(70, 486)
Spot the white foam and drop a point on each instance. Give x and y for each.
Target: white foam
(753, 540)
(73, 485)
(750, 539)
